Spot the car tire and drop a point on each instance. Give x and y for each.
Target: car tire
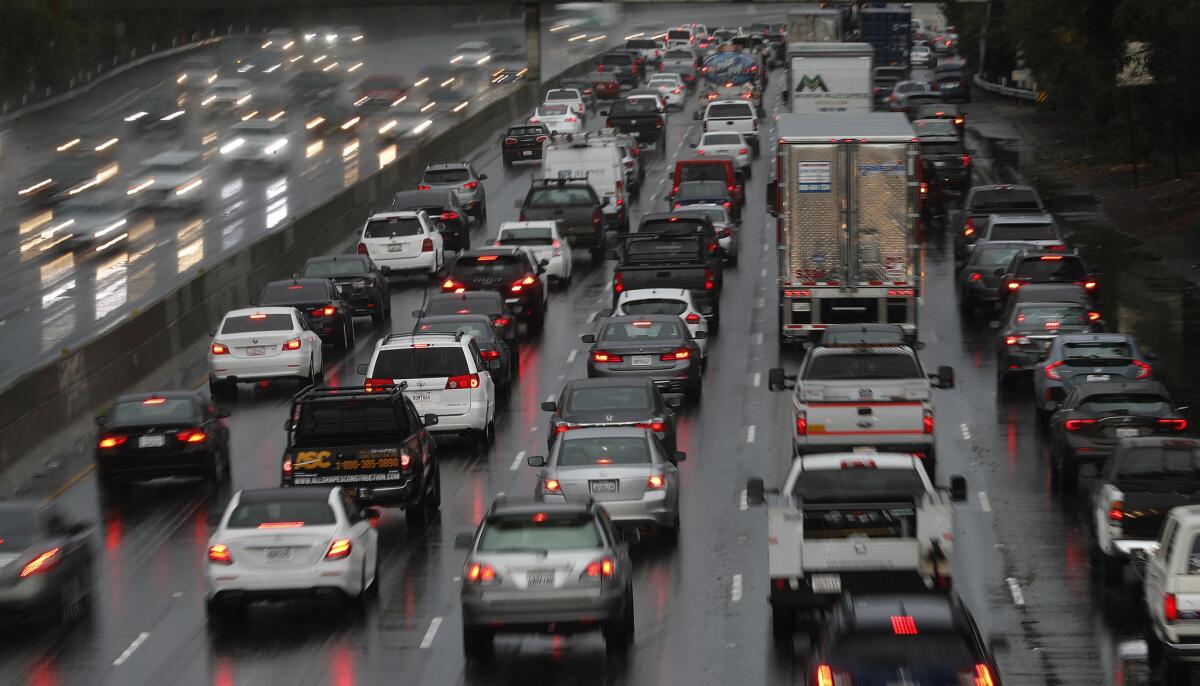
(618, 634)
(507, 163)
(1068, 474)
(350, 333)
(597, 254)
(1112, 570)
(672, 532)
(696, 390)
(222, 612)
(783, 624)
(733, 257)
(477, 642)
(417, 515)
(221, 389)
(214, 471)
(747, 171)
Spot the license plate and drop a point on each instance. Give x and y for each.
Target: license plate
(1098, 377)
(1127, 433)
(527, 153)
(539, 577)
(279, 554)
(603, 487)
(801, 307)
(155, 441)
(395, 248)
(641, 360)
(258, 351)
(825, 583)
(420, 397)
(939, 164)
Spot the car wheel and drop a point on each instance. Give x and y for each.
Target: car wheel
(436, 492)
(733, 257)
(223, 611)
(618, 634)
(672, 532)
(696, 390)
(312, 373)
(350, 333)
(783, 624)
(1068, 473)
(477, 642)
(418, 514)
(747, 171)
(507, 163)
(598, 254)
(538, 323)
(378, 314)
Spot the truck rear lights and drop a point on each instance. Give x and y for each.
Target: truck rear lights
(904, 626)
(901, 291)
(803, 293)
(462, 381)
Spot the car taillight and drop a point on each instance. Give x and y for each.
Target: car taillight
(510, 141)
(1089, 285)
(362, 248)
(927, 422)
(656, 482)
(658, 123)
(1170, 608)
(373, 383)
(1143, 369)
(339, 549)
(219, 553)
(521, 283)
(657, 425)
(191, 436)
(42, 563)
(599, 67)
(219, 349)
(1012, 285)
(489, 354)
(1052, 370)
(1116, 511)
(727, 204)
(112, 441)
(471, 185)
(801, 423)
(969, 228)
(293, 344)
(501, 322)
(824, 677)
(1077, 424)
(452, 285)
(600, 569)
(480, 574)
(463, 381)
(676, 354)
(597, 217)
(692, 318)
(427, 245)
(606, 357)
(966, 161)
(327, 311)
(424, 187)
(608, 123)
(570, 120)
(618, 283)
(981, 677)
(540, 139)
(976, 276)
(1175, 424)
(709, 282)
(551, 486)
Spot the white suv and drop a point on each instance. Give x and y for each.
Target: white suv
(402, 242)
(443, 375)
(263, 343)
(666, 301)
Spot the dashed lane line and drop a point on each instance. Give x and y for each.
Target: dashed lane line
(123, 657)
(516, 463)
(427, 640)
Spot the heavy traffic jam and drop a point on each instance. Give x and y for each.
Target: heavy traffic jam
(408, 455)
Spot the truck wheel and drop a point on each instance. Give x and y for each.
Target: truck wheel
(783, 624)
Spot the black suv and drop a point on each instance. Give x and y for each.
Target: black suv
(509, 271)
(1034, 266)
(488, 303)
(946, 167)
(359, 281)
(441, 206)
(523, 143)
(329, 314)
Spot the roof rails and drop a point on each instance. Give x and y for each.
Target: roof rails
(394, 337)
(334, 393)
(581, 139)
(557, 180)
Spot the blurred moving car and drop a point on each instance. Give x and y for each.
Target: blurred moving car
(48, 560)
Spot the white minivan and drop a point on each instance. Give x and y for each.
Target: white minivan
(598, 158)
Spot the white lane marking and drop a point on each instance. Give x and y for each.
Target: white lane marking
(735, 591)
(433, 627)
(757, 379)
(985, 503)
(141, 638)
(516, 463)
(533, 428)
(758, 338)
(966, 432)
(764, 247)
(764, 272)
(571, 356)
(759, 302)
(1015, 589)
(750, 432)
(743, 504)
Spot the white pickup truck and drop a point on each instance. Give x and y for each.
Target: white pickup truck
(1171, 588)
(732, 116)
(853, 522)
(869, 396)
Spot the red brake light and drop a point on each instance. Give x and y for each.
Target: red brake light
(219, 349)
(362, 248)
(976, 276)
(1077, 424)
(463, 381)
(510, 141)
(966, 161)
(521, 283)
(41, 563)
(339, 549)
(220, 554)
(551, 486)
(983, 676)
(500, 322)
(825, 676)
(327, 311)
(191, 436)
(449, 215)
(1089, 285)
(112, 441)
(709, 283)
(1170, 608)
(597, 218)
(603, 357)
(1143, 369)
(618, 283)
(489, 354)
(801, 424)
(480, 574)
(601, 568)
(452, 285)
(1116, 511)
(904, 626)
(427, 245)
(373, 383)
(1012, 340)
(656, 482)
(677, 354)
(471, 185)
(1012, 285)
(1176, 424)
(1052, 370)
(692, 318)
(969, 228)
(424, 187)
(927, 422)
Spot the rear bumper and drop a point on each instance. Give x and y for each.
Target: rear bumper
(421, 262)
(283, 365)
(884, 443)
(796, 593)
(153, 466)
(323, 578)
(651, 509)
(675, 380)
(543, 612)
(1124, 547)
(474, 419)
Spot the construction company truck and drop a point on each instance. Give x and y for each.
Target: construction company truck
(729, 74)
(829, 77)
(815, 25)
(845, 204)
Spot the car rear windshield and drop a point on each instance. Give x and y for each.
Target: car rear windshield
(679, 55)
(257, 323)
(835, 485)
(1165, 462)
(661, 250)
(655, 306)
(639, 105)
(480, 331)
(287, 514)
(487, 265)
(721, 139)
(551, 110)
(932, 149)
(527, 131)
(641, 331)
(715, 215)
(1126, 404)
(666, 226)
(614, 450)
(293, 294)
(996, 255)
(393, 227)
(702, 189)
(1016, 199)
(733, 110)
(856, 365)
(417, 363)
(641, 44)
(335, 268)
(443, 176)
(617, 59)
(153, 410)
(604, 78)
(1023, 232)
(935, 127)
(608, 398)
(536, 235)
(1057, 270)
(456, 306)
(909, 87)
(1083, 354)
(346, 422)
(927, 657)
(679, 35)
(703, 171)
(562, 94)
(1048, 316)
(539, 532)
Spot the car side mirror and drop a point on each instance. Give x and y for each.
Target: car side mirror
(430, 419)
(755, 492)
(588, 338)
(679, 456)
(483, 177)
(1088, 471)
(518, 203)
(362, 369)
(536, 461)
(463, 541)
(945, 377)
(700, 335)
(958, 488)
(674, 400)
(100, 420)
(549, 406)
(222, 413)
(776, 379)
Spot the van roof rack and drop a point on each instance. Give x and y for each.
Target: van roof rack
(313, 394)
(395, 337)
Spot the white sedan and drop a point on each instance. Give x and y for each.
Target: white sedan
(671, 86)
(729, 144)
(263, 343)
(542, 241)
(666, 301)
(557, 118)
(571, 97)
(305, 540)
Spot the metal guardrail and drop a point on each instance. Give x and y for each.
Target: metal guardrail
(1020, 93)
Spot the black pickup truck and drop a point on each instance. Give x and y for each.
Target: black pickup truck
(369, 440)
(574, 205)
(666, 261)
(669, 224)
(638, 118)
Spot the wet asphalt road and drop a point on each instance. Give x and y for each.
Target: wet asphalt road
(702, 617)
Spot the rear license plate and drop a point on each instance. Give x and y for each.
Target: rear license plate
(603, 487)
(539, 577)
(420, 397)
(801, 307)
(527, 153)
(641, 360)
(256, 351)
(395, 248)
(279, 554)
(156, 441)
(825, 583)
(1127, 433)
(939, 164)
(1098, 377)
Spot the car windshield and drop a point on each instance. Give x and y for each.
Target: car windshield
(257, 323)
(480, 331)
(1047, 317)
(1016, 199)
(661, 250)
(1052, 268)
(559, 197)
(995, 255)
(933, 658)
(679, 35)
(839, 365)
(1160, 462)
(624, 332)
(539, 532)
(1022, 232)
(153, 410)
(1084, 354)
(833, 485)
(527, 131)
(393, 227)
(534, 235)
(335, 268)
(702, 189)
(909, 87)
(18, 528)
(721, 139)
(287, 514)
(446, 176)
(293, 294)
(679, 55)
(703, 171)
(1126, 404)
(715, 215)
(608, 398)
(654, 306)
(418, 363)
(733, 110)
(603, 450)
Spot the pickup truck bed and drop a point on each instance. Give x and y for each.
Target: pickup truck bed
(638, 119)
(670, 262)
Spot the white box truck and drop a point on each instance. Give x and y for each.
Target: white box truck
(815, 25)
(845, 204)
(829, 77)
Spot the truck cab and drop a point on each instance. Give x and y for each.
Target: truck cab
(1171, 588)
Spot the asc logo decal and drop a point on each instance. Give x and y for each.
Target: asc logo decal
(811, 84)
(313, 459)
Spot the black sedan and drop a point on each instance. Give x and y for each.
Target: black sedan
(658, 347)
(952, 85)
(1027, 332)
(46, 563)
(979, 280)
(507, 270)
(478, 302)
(161, 434)
(329, 314)
(612, 402)
(523, 143)
(441, 206)
(705, 193)
(492, 348)
(1095, 416)
(359, 281)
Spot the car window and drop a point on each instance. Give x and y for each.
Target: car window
(345, 422)
(257, 323)
(562, 94)
(933, 149)
(995, 255)
(1047, 317)
(721, 139)
(1125, 404)
(557, 197)
(635, 105)
(714, 214)
(475, 329)
(935, 127)
(417, 363)
(1085, 353)
(284, 293)
(679, 35)
(679, 55)
(641, 331)
(1057, 269)
(488, 265)
(487, 306)
(551, 110)
(610, 398)
(527, 235)
(549, 531)
(154, 410)
(830, 485)
(654, 306)
(334, 268)
(850, 365)
(614, 450)
(442, 176)
(526, 131)
(661, 249)
(1022, 232)
(702, 189)
(393, 227)
(703, 172)
(288, 514)
(731, 110)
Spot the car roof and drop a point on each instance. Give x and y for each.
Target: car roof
(1068, 338)
(928, 610)
(294, 494)
(1148, 386)
(439, 196)
(311, 281)
(609, 382)
(508, 505)
(1043, 217)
